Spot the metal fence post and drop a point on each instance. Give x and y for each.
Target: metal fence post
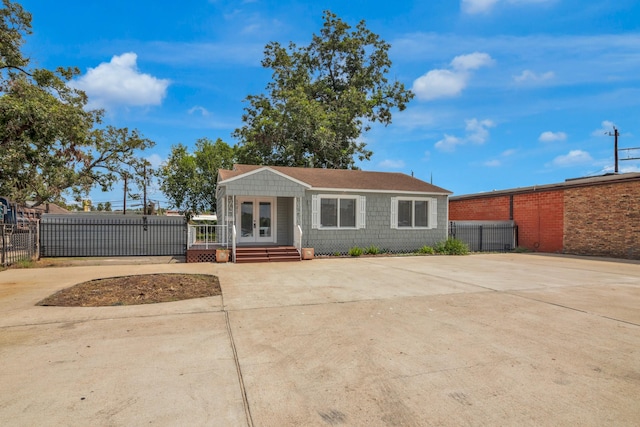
(2, 256)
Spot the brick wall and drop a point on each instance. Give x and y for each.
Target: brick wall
(603, 220)
(480, 209)
(539, 216)
(540, 220)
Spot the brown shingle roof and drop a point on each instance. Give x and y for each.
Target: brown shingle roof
(344, 179)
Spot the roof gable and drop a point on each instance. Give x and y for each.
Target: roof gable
(225, 176)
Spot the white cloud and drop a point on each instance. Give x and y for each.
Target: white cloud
(472, 61)
(477, 6)
(530, 76)
(203, 111)
(449, 143)
(497, 162)
(155, 160)
(549, 136)
(484, 6)
(574, 157)
(391, 164)
(439, 84)
(443, 83)
(119, 82)
(477, 132)
(607, 126)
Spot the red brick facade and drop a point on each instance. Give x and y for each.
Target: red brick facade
(593, 216)
(538, 214)
(480, 209)
(603, 220)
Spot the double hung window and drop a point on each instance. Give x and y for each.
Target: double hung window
(343, 211)
(413, 213)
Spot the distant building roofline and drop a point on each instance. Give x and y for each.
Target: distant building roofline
(609, 178)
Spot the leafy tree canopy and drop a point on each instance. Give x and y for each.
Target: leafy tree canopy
(189, 180)
(49, 143)
(321, 99)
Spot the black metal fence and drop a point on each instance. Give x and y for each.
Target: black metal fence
(18, 242)
(85, 235)
(486, 236)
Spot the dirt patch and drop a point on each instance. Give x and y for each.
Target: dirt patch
(133, 290)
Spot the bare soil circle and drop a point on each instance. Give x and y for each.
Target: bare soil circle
(137, 289)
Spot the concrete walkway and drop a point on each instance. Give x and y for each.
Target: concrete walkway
(509, 339)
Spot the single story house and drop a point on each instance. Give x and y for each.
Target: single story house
(330, 210)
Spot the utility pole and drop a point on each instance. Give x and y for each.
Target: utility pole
(615, 135)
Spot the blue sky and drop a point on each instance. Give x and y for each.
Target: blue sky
(509, 93)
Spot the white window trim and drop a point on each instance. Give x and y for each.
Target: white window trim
(432, 213)
(360, 210)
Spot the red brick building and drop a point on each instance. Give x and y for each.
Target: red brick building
(588, 216)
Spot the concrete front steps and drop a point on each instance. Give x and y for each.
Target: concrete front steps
(267, 254)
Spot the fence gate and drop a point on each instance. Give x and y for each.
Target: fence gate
(18, 242)
(486, 236)
(89, 235)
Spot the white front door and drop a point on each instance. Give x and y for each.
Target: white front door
(256, 220)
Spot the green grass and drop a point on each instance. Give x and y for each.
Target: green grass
(24, 263)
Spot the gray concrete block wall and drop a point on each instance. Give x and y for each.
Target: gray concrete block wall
(378, 231)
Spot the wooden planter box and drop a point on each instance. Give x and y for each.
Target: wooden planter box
(222, 255)
(307, 253)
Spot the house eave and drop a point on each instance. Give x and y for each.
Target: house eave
(369, 190)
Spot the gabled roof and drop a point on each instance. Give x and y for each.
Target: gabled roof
(342, 179)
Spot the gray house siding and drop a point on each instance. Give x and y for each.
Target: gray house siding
(377, 230)
(264, 183)
(284, 217)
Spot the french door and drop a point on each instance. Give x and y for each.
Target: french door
(256, 220)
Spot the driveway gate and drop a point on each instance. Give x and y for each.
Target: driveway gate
(86, 235)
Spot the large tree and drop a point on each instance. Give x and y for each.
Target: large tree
(189, 180)
(321, 99)
(49, 142)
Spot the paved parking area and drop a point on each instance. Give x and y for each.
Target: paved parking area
(500, 339)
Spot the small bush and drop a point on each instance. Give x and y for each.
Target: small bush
(521, 250)
(355, 251)
(452, 247)
(427, 250)
(337, 253)
(372, 250)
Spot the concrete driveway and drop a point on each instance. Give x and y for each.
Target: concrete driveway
(509, 339)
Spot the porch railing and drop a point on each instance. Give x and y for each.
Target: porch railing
(297, 239)
(207, 236)
(233, 242)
